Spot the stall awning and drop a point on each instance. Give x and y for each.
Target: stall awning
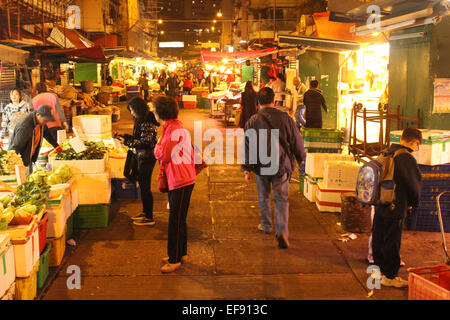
(235, 57)
(318, 43)
(13, 55)
(94, 54)
(69, 39)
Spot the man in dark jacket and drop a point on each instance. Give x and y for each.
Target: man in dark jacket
(388, 220)
(314, 100)
(26, 139)
(172, 85)
(273, 161)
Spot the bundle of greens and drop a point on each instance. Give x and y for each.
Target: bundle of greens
(31, 192)
(8, 161)
(95, 150)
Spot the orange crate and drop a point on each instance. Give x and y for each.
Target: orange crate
(429, 283)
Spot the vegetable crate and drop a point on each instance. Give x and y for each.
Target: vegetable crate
(323, 150)
(123, 188)
(26, 252)
(58, 211)
(310, 133)
(43, 271)
(43, 232)
(26, 288)
(91, 216)
(429, 283)
(7, 264)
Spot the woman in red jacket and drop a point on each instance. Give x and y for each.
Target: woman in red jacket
(174, 152)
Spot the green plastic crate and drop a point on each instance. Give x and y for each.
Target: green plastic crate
(69, 224)
(91, 216)
(43, 271)
(302, 183)
(322, 150)
(323, 139)
(321, 133)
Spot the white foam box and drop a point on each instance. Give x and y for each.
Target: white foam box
(72, 186)
(191, 98)
(340, 174)
(310, 188)
(117, 165)
(59, 210)
(315, 162)
(329, 199)
(93, 124)
(7, 264)
(435, 147)
(81, 166)
(26, 252)
(94, 188)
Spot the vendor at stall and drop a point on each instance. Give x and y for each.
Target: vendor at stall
(28, 134)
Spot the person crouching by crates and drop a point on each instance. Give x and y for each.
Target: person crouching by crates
(28, 134)
(388, 219)
(176, 160)
(143, 141)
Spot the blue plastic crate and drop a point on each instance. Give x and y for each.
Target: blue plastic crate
(123, 188)
(428, 220)
(441, 168)
(431, 204)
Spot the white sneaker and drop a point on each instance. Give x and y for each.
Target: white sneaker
(397, 282)
(168, 206)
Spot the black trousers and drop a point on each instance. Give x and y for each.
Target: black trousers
(386, 242)
(314, 123)
(145, 169)
(179, 200)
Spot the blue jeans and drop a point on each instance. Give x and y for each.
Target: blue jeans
(280, 187)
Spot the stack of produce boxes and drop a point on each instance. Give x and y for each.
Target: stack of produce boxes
(435, 179)
(7, 268)
(314, 170)
(93, 180)
(93, 127)
(318, 141)
(339, 177)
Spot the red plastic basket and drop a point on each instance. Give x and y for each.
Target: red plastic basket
(190, 104)
(429, 283)
(43, 232)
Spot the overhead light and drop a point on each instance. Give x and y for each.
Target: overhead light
(219, 14)
(162, 32)
(160, 21)
(214, 21)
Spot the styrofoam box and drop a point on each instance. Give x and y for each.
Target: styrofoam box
(26, 253)
(310, 189)
(58, 214)
(315, 162)
(58, 189)
(191, 98)
(81, 166)
(7, 264)
(96, 136)
(340, 174)
(117, 165)
(73, 195)
(93, 124)
(330, 199)
(94, 188)
(21, 231)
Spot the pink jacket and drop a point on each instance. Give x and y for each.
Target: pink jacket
(176, 154)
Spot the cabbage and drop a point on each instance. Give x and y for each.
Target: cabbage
(21, 213)
(7, 215)
(5, 200)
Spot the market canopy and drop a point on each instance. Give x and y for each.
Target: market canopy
(69, 39)
(319, 43)
(13, 55)
(236, 57)
(95, 54)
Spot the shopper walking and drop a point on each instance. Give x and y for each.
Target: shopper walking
(249, 103)
(47, 98)
(314, 100)
(12, 112)
(388, 220)
(172, 85)
(143, 85)
(162, 81)
(143, 143)
(188, 84)
(277, 173)
(175, 154)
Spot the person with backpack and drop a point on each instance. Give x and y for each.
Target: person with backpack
(392, 183)
(284, 146)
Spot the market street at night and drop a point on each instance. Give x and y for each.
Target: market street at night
(228, 257)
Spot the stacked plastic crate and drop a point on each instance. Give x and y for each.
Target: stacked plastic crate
(435, 179)
(318, 141)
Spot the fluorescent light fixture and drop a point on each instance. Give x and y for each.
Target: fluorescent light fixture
(173, 44)
(386, 28)
(407, 36)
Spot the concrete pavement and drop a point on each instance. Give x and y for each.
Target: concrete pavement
(228, 257)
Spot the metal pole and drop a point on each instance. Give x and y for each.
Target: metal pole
(274, 19)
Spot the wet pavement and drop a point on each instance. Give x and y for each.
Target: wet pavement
(228, 257)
